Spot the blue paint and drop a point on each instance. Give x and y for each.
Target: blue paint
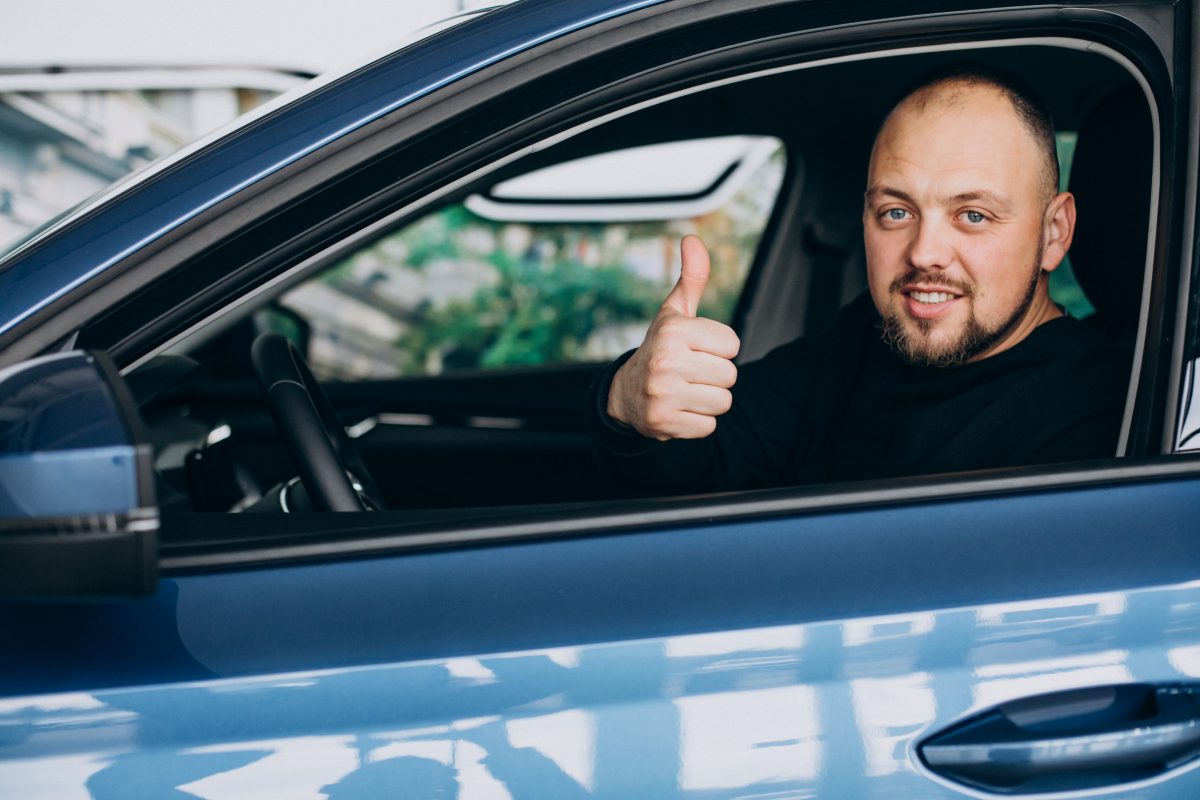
(800, 656)
(98, 480)
(805, 708)
(65, 447)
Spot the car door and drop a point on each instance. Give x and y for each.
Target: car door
(1031, 631)
(784, 648)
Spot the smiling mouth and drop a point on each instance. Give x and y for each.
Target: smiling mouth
(930, 298)
(929, 303)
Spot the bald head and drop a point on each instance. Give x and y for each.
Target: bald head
(954, 89)
(962, 222)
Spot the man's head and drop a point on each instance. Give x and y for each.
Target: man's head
(962, 219)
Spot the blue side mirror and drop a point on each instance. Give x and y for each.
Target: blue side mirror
(77, 511)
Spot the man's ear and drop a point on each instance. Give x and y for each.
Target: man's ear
(1058, 228)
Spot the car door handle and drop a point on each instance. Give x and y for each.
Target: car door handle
(1070, 741)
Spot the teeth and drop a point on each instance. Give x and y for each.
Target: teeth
(931, 297)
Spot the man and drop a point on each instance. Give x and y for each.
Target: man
(955, 359)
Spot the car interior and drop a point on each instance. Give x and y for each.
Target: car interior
(512, 436)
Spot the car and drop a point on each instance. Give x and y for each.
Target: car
(455, 238)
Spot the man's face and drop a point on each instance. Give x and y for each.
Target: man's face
(955, 223)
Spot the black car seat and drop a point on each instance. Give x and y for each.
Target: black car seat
(1111, 180)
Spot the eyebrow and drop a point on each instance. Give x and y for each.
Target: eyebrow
(877, 191)
(1000, 202)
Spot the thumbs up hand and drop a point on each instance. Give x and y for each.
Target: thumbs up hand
(677, 383)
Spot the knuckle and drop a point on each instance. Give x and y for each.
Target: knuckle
(656, 387)
(674, 327)
(660, 363)
(658, 421)
(728, 376)
(734, 343)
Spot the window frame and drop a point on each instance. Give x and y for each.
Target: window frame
(803, 49)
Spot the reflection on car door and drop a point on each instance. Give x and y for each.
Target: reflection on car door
(804, 653)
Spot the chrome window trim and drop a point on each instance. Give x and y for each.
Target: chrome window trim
(1183, 380)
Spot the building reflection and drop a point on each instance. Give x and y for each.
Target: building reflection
(830, 709)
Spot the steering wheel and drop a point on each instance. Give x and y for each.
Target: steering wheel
(325, 457)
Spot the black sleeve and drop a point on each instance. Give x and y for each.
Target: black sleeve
(754, 444)
(1093, 437)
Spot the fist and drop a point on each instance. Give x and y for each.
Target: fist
(677, 383)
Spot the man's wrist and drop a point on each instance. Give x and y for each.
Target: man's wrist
(610, 433)
(613, 406)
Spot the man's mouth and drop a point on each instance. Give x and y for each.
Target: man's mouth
(930, 297)
(929, 302)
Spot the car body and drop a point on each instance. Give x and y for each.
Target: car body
(515, 626)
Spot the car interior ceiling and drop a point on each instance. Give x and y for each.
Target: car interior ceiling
(810, 263)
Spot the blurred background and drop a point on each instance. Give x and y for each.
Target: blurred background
(92, 91)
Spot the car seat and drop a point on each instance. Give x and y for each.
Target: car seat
(1111, 180)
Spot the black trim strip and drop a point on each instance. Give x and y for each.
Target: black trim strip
(271, 541)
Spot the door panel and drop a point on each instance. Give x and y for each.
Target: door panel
(477, 439)
(789, 657)
(506, 437)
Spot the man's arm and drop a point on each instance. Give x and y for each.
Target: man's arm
(667, 417)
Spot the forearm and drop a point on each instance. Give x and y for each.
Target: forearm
(753, 445)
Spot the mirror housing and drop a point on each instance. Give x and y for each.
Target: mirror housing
(77, 512)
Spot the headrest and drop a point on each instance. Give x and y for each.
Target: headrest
(1110, 178)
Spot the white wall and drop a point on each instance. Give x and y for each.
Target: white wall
(289, 34)
(57, 146)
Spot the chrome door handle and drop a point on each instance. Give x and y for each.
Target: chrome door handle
(1069, 741)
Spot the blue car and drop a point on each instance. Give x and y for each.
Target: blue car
(425, 261)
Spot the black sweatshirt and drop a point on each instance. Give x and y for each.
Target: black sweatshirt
(842, 406)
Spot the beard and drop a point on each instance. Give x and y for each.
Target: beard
(918, 348)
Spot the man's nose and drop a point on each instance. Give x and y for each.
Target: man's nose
(930, 247)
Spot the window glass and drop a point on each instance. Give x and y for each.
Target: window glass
(457, 290)
(1064, 289)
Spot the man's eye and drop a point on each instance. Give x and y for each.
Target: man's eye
(896, 214)
(974, 217)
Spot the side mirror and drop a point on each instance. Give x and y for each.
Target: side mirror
(77, 511)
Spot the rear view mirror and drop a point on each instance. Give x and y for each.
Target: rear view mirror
(77, 512)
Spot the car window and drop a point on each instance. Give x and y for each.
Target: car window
(471, 286)
(1064, 288)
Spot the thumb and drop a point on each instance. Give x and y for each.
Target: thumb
(685, 296)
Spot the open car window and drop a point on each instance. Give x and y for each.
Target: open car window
(564, 265)
(459, 341)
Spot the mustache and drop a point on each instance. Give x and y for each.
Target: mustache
(932, 279)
